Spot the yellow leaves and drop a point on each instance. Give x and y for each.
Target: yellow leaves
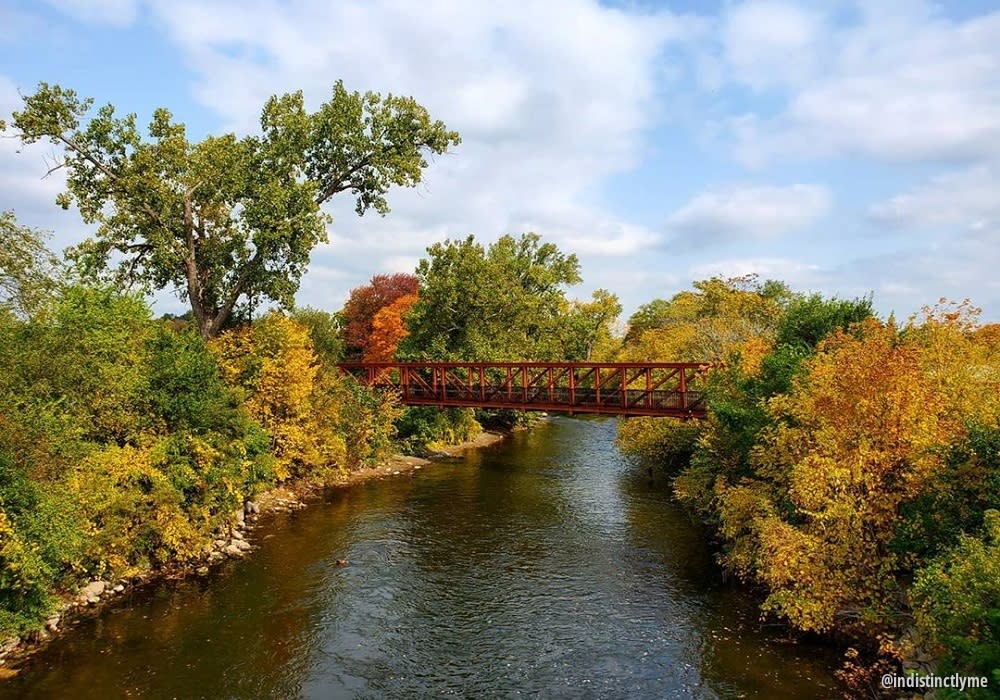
(12, 548)
(961, 316)
(710, 324)
(298, 403)
(805, 588)
(134, 514)
(751, 353)
(661, 439)
(673, 343)
(861, 434)
(819, 480)
(273, 362)
(740, 506)
(865, 388)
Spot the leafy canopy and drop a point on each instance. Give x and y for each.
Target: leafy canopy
(27, 268)
(501, 303)
(226, 218)
(706, 324)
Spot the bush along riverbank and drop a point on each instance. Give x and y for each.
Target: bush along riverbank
(850, 467)
(131, 448)
(233, 541)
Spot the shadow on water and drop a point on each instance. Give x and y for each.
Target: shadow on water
(543, 566)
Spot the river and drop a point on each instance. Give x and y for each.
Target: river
(544, 566)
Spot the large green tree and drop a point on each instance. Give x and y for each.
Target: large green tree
(506, 302)
(226, 218)
(588, 327)
(27, 269)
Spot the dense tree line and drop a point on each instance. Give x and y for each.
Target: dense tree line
(126, 441)
(848, 464)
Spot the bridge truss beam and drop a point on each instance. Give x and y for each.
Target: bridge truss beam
(619, 388)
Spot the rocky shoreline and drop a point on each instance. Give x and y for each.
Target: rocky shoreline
(232, 542)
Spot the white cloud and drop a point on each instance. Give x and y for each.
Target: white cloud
(545, 115)
(555, 98)
(769, 43)
(903, 84)
(967, 199)
(957, 267)
(799, 275)
(756, 212)
(23, 183)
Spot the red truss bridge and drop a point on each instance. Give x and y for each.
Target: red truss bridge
(618, 388)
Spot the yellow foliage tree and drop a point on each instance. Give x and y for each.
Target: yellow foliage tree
(861, 433)
(707, 324)
(274, 363)
(721, 321)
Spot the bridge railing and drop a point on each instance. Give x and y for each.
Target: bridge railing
(656, 389)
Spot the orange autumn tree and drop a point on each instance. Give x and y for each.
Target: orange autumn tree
(366, 302)
(388, 329)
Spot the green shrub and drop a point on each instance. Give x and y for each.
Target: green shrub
(423, 428)
(41, 545)
(367, 422)
(957, 606)
(967, 485)
(25, 579)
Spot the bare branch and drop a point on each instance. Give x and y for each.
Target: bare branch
(54, 168)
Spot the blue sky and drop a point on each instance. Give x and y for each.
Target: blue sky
(844, 147)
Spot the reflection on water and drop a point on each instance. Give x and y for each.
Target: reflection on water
(543, 566)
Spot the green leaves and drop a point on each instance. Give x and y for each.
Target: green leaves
(226, 218)
(50, 112)
(27, 268)
(365, 143)
(587, 327)
(957, 605)
(503, 303)
(809, 319)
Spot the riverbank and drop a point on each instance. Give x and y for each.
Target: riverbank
(394, 466)
(547, 552)
(232, 544)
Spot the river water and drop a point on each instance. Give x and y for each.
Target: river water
(544, 566)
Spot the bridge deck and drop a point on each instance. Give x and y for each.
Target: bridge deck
(619, 388)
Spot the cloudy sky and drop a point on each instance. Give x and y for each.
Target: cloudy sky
(844, 147)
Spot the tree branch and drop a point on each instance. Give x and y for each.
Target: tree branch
(135, 262)
(343, 182)
(111, 175)
(236, 293)
(53, 169)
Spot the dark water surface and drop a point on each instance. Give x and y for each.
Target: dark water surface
(541, 567)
